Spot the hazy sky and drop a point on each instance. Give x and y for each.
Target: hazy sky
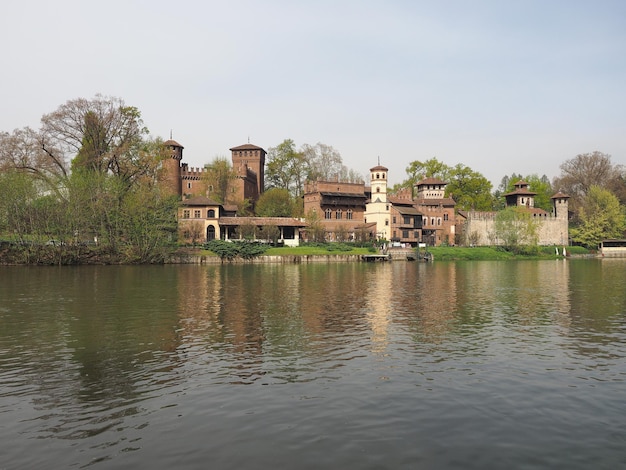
(500, 86)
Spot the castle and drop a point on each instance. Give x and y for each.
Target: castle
(552, 228)
(347, 211)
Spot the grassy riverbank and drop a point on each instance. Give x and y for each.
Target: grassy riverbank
(442, 253)
(455, 253)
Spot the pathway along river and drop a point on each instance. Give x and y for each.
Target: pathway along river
(469, 365)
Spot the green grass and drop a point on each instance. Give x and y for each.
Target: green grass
(312, 251)
(449, 253)
(441, 253)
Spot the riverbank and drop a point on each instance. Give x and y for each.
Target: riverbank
(296, 255)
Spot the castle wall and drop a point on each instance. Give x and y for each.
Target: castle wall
(479, 229)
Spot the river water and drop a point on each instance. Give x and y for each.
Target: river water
(468, 365)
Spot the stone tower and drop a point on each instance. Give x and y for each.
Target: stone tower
(560, 206)
(377, 210)
(171, 167)
(250, 157)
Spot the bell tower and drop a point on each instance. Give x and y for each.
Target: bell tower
(377, 209)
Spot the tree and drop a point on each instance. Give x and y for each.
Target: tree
(540, 185)
(275, 202)
(271, 233)
(286, 168)
(324, 162)
(103, 134)
(418, 170)
(219, 175)
(600, 217)
(315, 230)
(470, 189)
(516, 228)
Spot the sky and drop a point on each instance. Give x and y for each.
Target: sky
(499, 86)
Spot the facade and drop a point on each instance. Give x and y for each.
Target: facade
(378, 208)
(438, 212)
(340, 207)
(198, 219)
(479, 227)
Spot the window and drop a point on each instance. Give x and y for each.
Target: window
(425, 220)
(349, 214)
(338, 214)
(328, 214)
(438, 220)
(432, 221)
(211, 214)
(445, 216)
(377, 189)
(407, 220)
(393, 219)
(197, 214)
(189, 185)
(377, 176)
(186, 213)
(386, 222)
(405, 234)
(416, 235)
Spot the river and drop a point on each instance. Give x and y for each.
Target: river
(468, 365)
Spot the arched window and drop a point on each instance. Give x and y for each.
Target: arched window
(377, 176)
(377, 189)
(349, 214)
(211, 213)
(338, 214)
(210, 233)
(328, 214)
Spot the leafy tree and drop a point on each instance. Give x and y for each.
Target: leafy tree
(218, 176)
(275, 202)
(418, 170)
(470, 189)
(601, 216)
(516, 228)
(540, 185)
(286, 168)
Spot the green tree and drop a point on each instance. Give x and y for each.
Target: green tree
(286, 168)
(275, 202)
(418, 170)
(540, 185)
(600, 217)
(516, 229)
(470, 189)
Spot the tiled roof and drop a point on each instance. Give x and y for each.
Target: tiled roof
(172, 143)
(430, 180)
(247, 147)
(379, 168)
(403, 210)
(332, 194)
(521, 192)
(258, 221)
(560, 195)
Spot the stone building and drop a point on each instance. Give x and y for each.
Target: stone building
(248, 163)
(478, 228)
(340, 207)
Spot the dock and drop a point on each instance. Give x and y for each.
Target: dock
(373, 258)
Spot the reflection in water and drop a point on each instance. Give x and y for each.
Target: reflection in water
(135, 366)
